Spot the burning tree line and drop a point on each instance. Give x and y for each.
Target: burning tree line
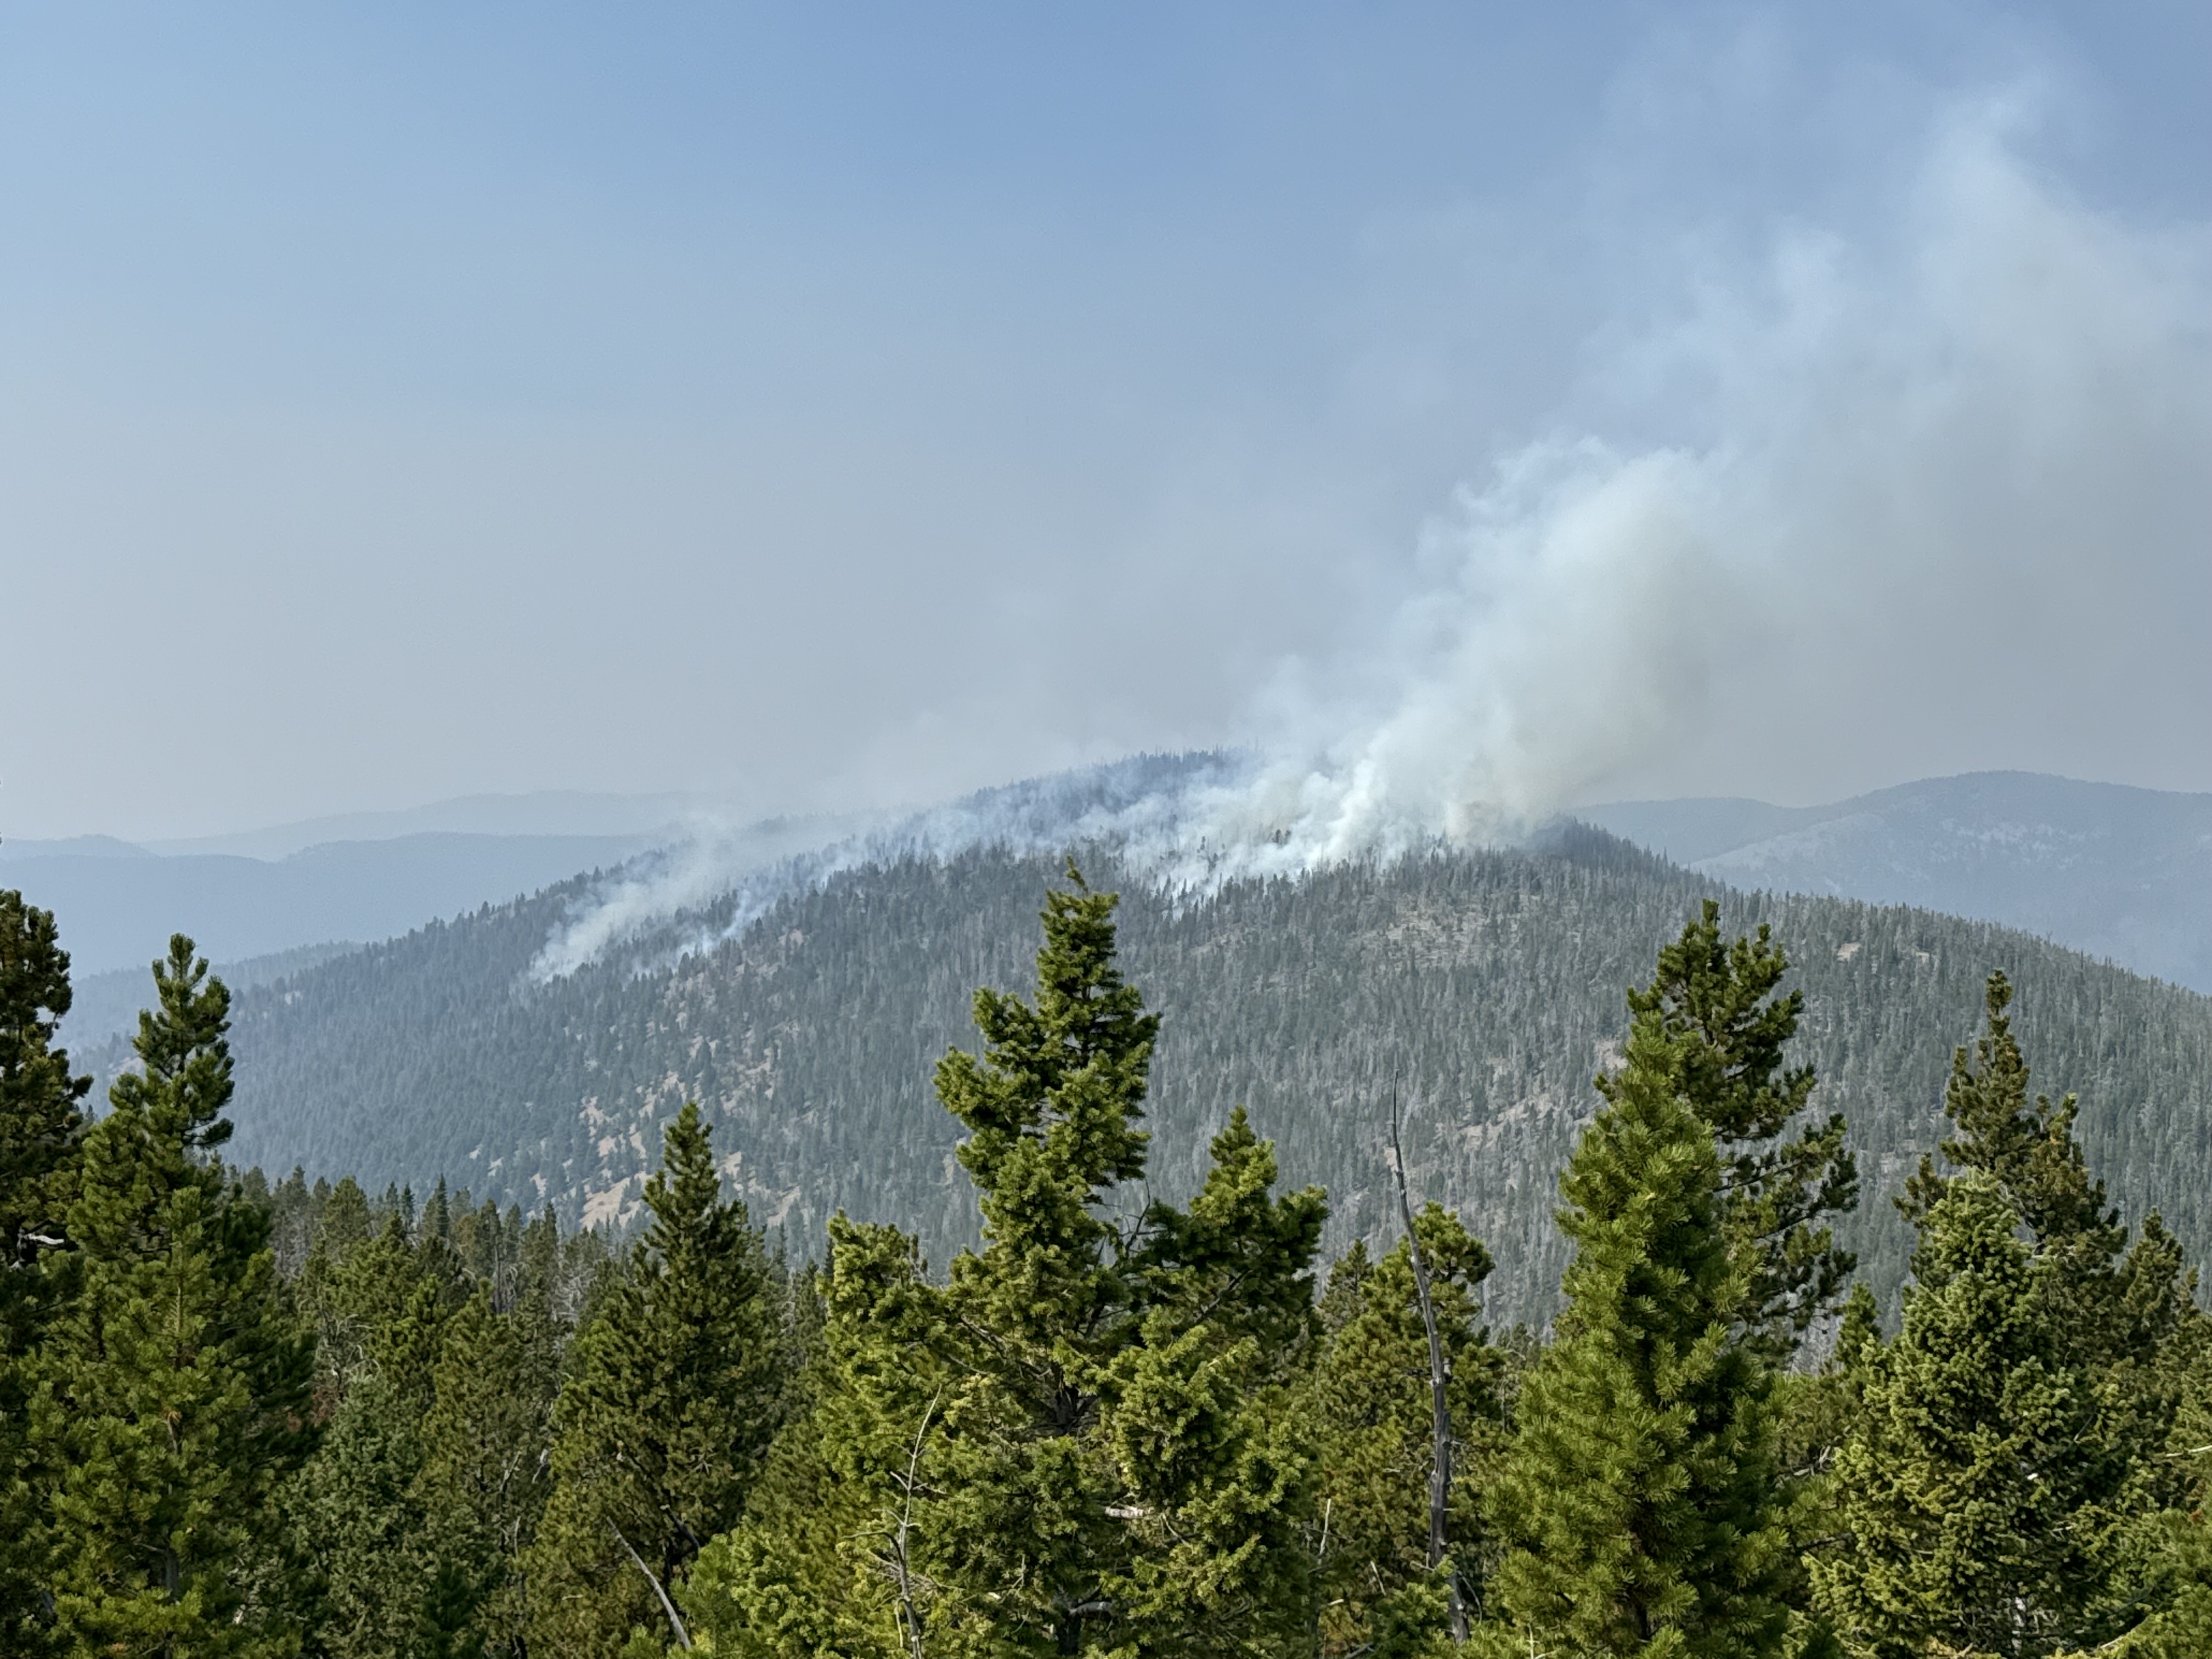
(1122, 1427)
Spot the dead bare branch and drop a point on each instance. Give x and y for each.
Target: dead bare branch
(682, 1636)
(1439, 1377)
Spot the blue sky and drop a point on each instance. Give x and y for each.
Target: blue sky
(850, 405)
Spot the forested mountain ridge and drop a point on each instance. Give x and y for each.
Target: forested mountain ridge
(1485, 987)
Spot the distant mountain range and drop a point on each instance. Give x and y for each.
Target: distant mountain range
(541, 813)
(264, 902)
(118, 904)
(2118, 872)
(367, 877)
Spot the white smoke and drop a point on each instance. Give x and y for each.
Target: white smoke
(708, 861)
(1948, 485)
(1144, 804)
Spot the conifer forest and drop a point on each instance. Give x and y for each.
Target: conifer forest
(1749, 1392)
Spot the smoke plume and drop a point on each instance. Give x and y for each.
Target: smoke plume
(1927, 495)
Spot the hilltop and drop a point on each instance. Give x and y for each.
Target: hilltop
(1487, 988)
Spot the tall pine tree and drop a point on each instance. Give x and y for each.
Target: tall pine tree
(1783, 1172)
(1962, 1485)
(2181, 1628)
(172, 1395)
(39, 1118)
(2123, 1312)
(40, 1123)
(1640, 1500)
(1113, 1477)
(1085, 1442)
(826, 1561)
(2022, 1440)
(2109, 1304)
(358, 1571)
(354, 1568)
(668, 1409)
(481, 1483)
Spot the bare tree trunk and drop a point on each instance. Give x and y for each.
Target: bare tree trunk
(1439, 1376)
(901, 1571)
(682, 1636)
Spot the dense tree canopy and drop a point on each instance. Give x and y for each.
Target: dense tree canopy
(326, 1418)
(1484, 983)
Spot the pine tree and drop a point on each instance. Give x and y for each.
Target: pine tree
(172, 1395)
(291, 1223)
(827, 1559)
(1052, 1112)
(1962, 1483)
(2181, 1628)
(396, 1542)
(354, 1573)
(538, 1262)
(665, 1416)
(1084, 1443)
(1639, 1500)
(342, 1219)
(1066, 1492)
(2119, 1321)
(486, 1243)
(437, 1223)
(1717, 1000)
(40, 1123)
(39, 1118)
(1815, 1411)
(1218, 1467)
(2030, 1151)
(379, 1308)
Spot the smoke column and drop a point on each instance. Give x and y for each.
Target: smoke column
(1940, 486)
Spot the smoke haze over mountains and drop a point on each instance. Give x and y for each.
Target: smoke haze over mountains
(1949, 506)
(1465, 423)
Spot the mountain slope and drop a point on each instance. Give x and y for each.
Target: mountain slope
(2118, 872)
(1487, 988)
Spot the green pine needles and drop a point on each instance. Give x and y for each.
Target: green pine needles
(40, 1125)
(170, 1400)
(671, 1398)
(1641, 1496)
(1962, 1481)
(1372, 1412)
(2005, 1477)
(1085, 1441)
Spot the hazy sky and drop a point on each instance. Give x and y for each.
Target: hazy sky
(821, 405)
